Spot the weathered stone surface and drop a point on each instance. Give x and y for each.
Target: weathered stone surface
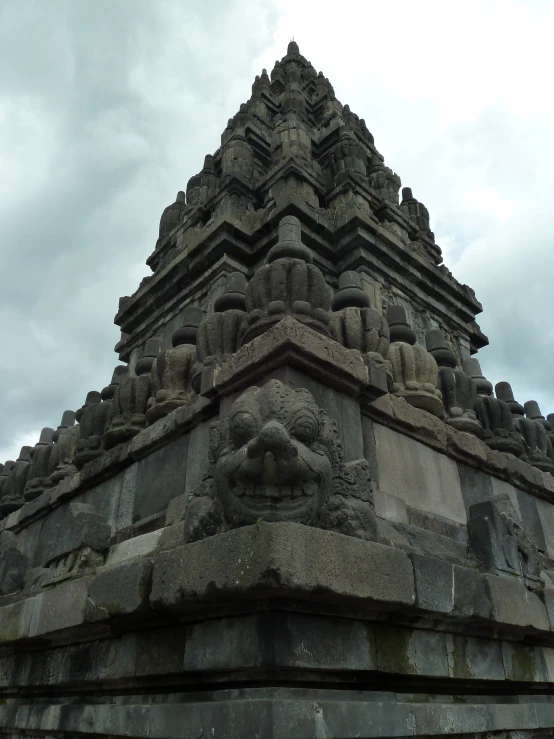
(425, 479)
(471, 598)
(276, 639)
(121, 588)
(290, 342)
(278, 457)
(161, 476)
(289, 284)
(434, 580)
(130, 400)
(492, 539)
(355, 324)
(280, 559)
(458, 390)
(414, 370)
(538, 450)
(514, 605)
(172, 370)
(82, 527)
(13, 564)
(60, 607)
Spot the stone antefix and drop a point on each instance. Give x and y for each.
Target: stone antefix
(538, 449)
(272, 522)
(278, 457)
(458, 390)
(173, 369)
(414, 370)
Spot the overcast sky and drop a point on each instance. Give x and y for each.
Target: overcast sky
(107, 107)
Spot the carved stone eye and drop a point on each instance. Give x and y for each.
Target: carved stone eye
(305, 428)
(243, 427)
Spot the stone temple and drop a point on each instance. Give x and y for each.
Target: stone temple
(298, 510)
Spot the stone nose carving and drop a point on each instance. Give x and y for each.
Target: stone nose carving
(273, 440)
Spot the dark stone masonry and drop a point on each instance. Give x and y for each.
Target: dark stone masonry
(298, 510)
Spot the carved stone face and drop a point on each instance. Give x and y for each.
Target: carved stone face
(273, 459)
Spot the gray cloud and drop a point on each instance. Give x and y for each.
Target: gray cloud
(107, 108)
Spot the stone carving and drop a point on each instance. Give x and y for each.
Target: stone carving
(219, 333)
(537, 447)
(38, 478)
(415, 211)
(493, 414)
(13, 564)
(12, 496)
(383, 181)
(356, 325)
(202, 186)
(349, 159)
(289, 284)
(93, 418)
(68, 421)
(533, 412)
(80, 545)
(498, 540)
(414, 370)
(173, 369)
(131, 397)
(278, 457)
(173, 215)
(65, 442)
(457, 389)
(5, 470)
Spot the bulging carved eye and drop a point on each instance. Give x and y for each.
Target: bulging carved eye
(243, 427)
(305, 428)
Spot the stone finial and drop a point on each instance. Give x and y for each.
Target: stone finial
(130, 400)
(290, 242)
(400, 329)
(119, 372)
(414, 370)
(219, 333)
(437, 346)
(38, 478)
(383, 181)
(472, 368)
(293, 49)
(533, 412)
(356, 325)
(350, 293)
(457, 389)
(538, 448)
(173, 215)
(504, 392)
(415, 211)
(173, 369)
(68, 419)
(232, 297)
(12, 494)
(61, 459)
(151, 350)
(93, 417)
(289, 284)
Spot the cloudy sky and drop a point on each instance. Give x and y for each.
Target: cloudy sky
(107, 107)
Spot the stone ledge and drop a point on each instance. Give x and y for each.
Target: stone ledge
(280, 713)
(397, 414)
(282, 559)
(291, 343)
(122, 456)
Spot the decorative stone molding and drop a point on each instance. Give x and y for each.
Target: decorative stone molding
(278, 457)
(414, 370)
